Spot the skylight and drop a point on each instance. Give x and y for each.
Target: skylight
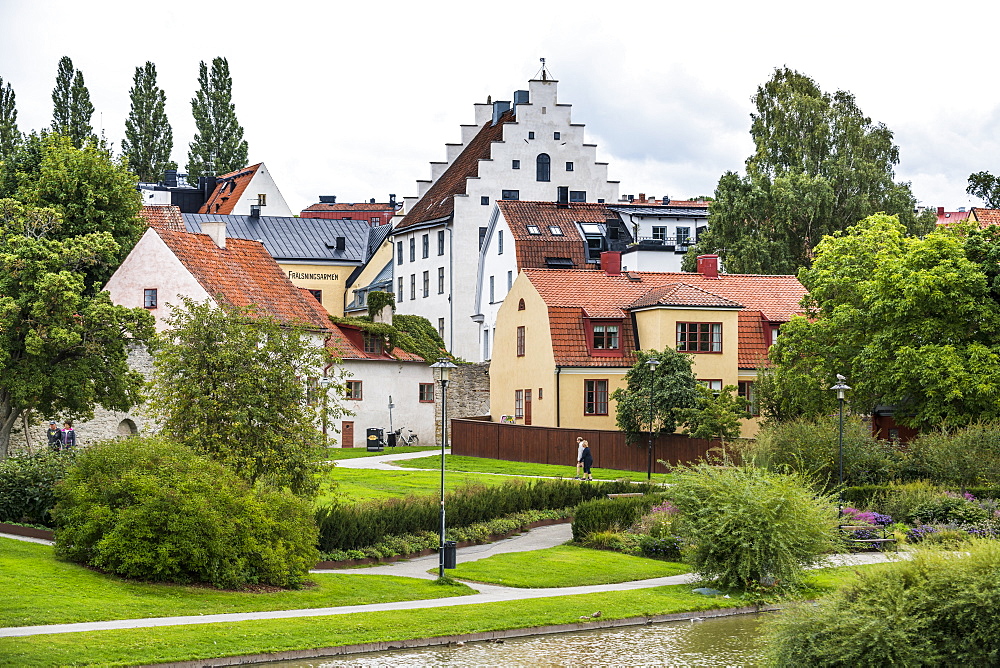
(556, 230)
(533, 229)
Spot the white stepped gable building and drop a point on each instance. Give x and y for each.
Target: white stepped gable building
(529, 151)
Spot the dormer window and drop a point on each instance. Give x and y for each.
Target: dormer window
(606, 337)
(373, 343)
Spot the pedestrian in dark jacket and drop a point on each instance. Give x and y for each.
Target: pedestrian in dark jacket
(68, 435)
(54, 435)
(587, 459)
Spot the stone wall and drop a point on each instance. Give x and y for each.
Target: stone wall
(468, 394)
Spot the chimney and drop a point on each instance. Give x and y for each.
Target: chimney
(217, 230)
(392, 200)
(341, 243)
(642, 197)
(611, 263)
(170, 178)
(384, 316)
(327, 199)
(499, 109)
(255, 210)
(940, 211)
(708, 266)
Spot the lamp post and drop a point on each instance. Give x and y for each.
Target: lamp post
(841, 387)
(652, 363)
(443, 367)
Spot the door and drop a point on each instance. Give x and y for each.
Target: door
(527, 407)
(347, 434)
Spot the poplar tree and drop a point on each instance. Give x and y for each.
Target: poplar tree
(9, 134)
(71, 107)
(218, 146)
(148, 136)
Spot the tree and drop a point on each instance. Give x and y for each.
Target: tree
(10, 136)
(986, 187)
(71, 107)
(62, 349)
(820, 165)
(231, 384)
(218, 147)
(148, 136)
(673, 389)
(715, 415)
(910, 322)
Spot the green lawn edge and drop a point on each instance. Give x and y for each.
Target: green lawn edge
(504, 467)
(199, 642)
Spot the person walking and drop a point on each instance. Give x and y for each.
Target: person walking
(68, 435)
(54, 436)
(580, 445)
(587, 459)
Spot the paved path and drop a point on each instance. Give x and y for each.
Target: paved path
(380, 462)
(27, 539)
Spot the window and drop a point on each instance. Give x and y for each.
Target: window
(491, 290)
(699, 337)
(413, 249)
(520, 304)
(426, 393)
(556, 136)
(510, 194)
(746, 393)
(518, 403)
(569, 166)
(425, 246)
(353, 391)
(499, 242)
(427, 284)
(520, 341)
(373, 343)
(515, 164)
(660, 232)
(441, 327)
(714, 385)
(774, 334)
(533, 229)
(376, 220)
(595, 397)
(555, 230)
(486, 344)
(484, 200)
(531, 135)
(318, 294)
(413, 286)
(577, 195)
(542, 165)
(539, 393)
(399, 289)
(482, 237)
(441, 242)
(510, 280)
(399, 252)
(440, 280)
(149, 298)
(605, 337)
(262, 199)
(683, 236)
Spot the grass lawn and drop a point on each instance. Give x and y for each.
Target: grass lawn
(363, 484)
(181, 643)
(37, 589)
(565, 566)
(482, 465)
(353, 453)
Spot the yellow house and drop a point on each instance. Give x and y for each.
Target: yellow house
(565, 338)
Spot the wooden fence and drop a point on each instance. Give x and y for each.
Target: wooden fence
(550, 445)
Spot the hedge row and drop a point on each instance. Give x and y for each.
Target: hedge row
(27, 486)
(864, 496)
(347, 526)
(610, 514)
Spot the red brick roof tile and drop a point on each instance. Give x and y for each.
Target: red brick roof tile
(163, 217)
(532, 250)
(987, 216)
(682, 294)
(753, 345)
(228, 190)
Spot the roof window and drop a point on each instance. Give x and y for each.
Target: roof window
(559, 263)
(533, 229)
(556, 230)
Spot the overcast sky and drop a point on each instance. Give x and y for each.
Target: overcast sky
(355, 98)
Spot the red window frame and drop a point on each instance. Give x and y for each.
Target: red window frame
(520, 341)
(426, 393)
(592, 334)
(702, 336)
(746, 392)
(595, 396)
(353, 390)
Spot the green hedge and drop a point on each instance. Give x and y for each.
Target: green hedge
(27, 486)
(610, 514)
(865, 496)
(346, 526)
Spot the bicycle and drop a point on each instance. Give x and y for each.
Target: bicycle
(406, 436)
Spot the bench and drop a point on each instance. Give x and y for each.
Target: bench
(618, 496)
(877, 543)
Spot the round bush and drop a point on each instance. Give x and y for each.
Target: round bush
(935, 610)
(154, 510)
(750, 527)
(27, 486)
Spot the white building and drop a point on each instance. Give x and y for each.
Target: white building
(664, 232)
(532, 151)
(238, 192)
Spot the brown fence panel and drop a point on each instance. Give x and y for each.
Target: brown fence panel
(548, 445)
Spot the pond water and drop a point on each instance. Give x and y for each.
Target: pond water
(723, 641)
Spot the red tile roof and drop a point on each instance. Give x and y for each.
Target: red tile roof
(346, 342)
(949, 217)
(532, 249)
(228, 191)
(753, 345)
(243, 273)
(438, 201)
(163, 217)
(350, 206)
(682, 294)
(986, 216)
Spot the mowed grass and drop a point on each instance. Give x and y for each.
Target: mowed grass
(35, 588)
(565, 566)
(364, 484)
(193, 642)
(333, 454)
(499, 466)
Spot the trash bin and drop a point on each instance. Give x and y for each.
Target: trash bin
(450, 554)
(391, 439)
(375, 442)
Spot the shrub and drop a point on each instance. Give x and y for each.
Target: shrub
(935, 610)
(150, 509)
(619, 541)
(950, 508)
(663, 547)
(27, 486)
(965, 458)
(750, 527)
(619, 514)
(811, 448)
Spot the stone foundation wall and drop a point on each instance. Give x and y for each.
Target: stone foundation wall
(468, 394)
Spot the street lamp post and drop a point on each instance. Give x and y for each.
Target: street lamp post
(443, 367)
(841, 387)
(652, 363)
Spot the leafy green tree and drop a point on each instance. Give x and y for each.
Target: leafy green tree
(233, 384)
(218, 147)
(148, 136)
(673, 389)
(715, 415)
(986, 187)
(71, 107)
(10, 136)
(910, 322)
(62, 349)
(820, 165)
